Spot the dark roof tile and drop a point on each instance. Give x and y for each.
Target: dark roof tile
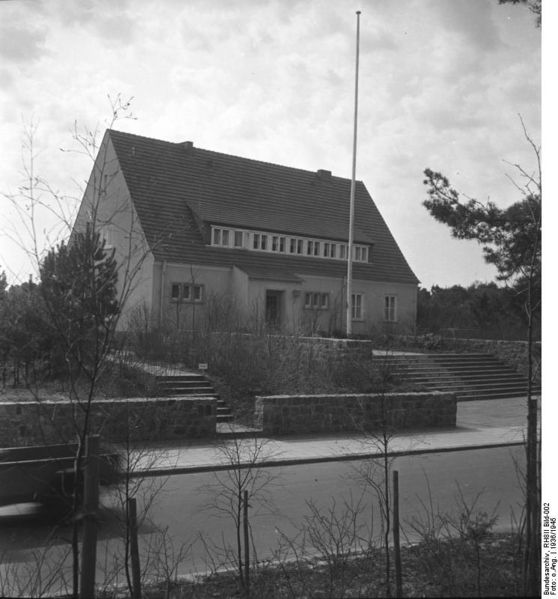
(177, 190)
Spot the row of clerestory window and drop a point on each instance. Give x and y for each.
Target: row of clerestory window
(283, 244)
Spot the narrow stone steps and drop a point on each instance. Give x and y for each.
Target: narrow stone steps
(193, 385)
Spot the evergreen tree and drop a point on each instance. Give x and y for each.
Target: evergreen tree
(78, 285)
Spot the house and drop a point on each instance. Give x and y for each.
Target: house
(201, 235)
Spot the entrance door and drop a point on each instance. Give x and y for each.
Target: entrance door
(273, 308)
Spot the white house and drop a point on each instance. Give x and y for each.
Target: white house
(196, 230)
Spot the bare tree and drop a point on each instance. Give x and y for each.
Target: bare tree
(238, 488)
(77, 312)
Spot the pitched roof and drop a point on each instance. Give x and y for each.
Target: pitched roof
(178, 190)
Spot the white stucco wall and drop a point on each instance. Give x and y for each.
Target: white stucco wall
(107, 207)
(217, 286)
(231, 291)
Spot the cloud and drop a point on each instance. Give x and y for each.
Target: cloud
(107, 19)
(472, 19)
(21, 43)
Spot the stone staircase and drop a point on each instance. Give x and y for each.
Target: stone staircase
(192, 384)
(471, 376)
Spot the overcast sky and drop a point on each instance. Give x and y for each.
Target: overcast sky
(441, 85)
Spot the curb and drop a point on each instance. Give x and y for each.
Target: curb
(170, 471)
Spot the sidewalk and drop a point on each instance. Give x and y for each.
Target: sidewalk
(482, 424)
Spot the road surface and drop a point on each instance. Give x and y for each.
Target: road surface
(182, 506)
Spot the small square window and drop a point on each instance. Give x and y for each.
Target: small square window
(299, 246)
(175, 291)
(308, 300)
(186, 292)
(324, 301)
(225, 237)
(238, 239)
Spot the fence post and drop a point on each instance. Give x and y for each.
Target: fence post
(246, 545)
(134, 549)
(396, 543)
(90, 506)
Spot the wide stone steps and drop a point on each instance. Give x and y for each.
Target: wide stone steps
(192, 385)
(470, 376)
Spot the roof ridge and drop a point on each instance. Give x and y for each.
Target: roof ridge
(214, 152)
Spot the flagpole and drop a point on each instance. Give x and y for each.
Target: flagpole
(352, 200)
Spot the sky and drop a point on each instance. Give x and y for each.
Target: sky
(441, 85)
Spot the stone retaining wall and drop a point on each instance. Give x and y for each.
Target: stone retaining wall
(153, 419)
(299, 414)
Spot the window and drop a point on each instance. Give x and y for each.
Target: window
(186, 292)
(277, 243)
(314, 300)
(198, 293)
(356, 306)
(390, 308)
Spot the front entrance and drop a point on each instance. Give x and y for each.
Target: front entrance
(273, 308)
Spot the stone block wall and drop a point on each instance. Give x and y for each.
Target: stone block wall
(139, 419)
(300, 414)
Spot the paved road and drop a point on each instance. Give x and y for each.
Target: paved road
(182, 504)
(490, 472)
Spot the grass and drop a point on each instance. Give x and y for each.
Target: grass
(363, 576)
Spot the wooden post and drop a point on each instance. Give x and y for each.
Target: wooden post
(396, 544)
(90, 507)
(246, 545)
(134, 549)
